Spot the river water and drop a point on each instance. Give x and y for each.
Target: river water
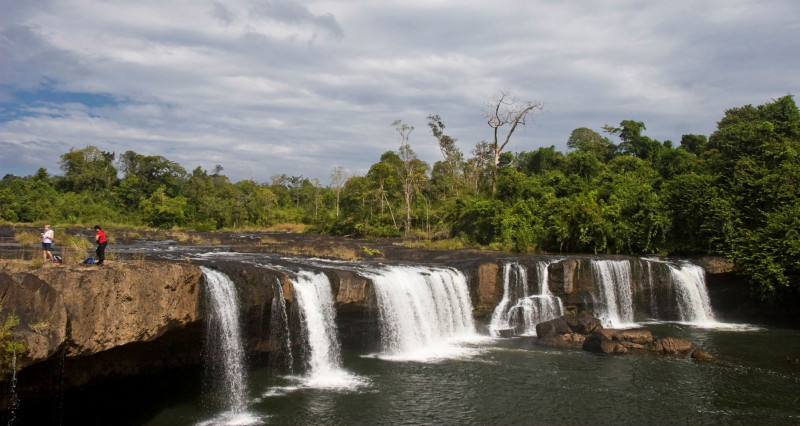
(512, 381)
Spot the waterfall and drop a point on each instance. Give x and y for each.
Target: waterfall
(225, 347)
(314, 297)
(13, 397)
(694, 305)
(520, 311)
(423, 312)
(279, 335)
(614, 303)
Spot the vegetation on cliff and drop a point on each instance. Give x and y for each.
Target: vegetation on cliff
(733, 193)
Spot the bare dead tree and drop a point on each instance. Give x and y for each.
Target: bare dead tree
(504, 109)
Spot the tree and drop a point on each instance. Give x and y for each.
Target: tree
(338, 178)
(88, 169)
(452, 156)
(412, 169)
(504, 110)
(633, 142)
(150, 172)
(587, 140)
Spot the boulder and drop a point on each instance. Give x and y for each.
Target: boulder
(554, 326)
(701, 355)
(505, 332)
(582, 323)
(641, 336)
(631, 345)
(598, 342)
(671, 345)
(562, 341)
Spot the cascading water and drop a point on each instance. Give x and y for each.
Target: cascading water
(315, 301)
(225, 347)
(515, 286)
(614, 303)
(14, 398)
(520, 311)
(423, 312)
(694, 305)
(279, 336)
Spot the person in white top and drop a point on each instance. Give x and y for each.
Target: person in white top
(47, 242)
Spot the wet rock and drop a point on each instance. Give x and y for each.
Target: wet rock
(640, 336)
(488, 290)
(701, 355)
(631, 345)
(671, 346)
(554, 326)
(582, 323)
(505, 332)
(562, 341)
(598, 342)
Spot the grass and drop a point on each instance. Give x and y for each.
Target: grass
(27, 239)
(269, 240)
(294, 228)
(138, 259)
(42, 327)
(336, 252)
(73, 247)
(448, 244)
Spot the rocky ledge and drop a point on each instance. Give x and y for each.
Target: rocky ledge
(80, 310)
(585, 332)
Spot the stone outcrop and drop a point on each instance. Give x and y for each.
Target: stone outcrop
(585, 332)
(672, 346)
(600, 341)
(95, 309)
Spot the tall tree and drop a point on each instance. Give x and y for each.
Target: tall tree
(452, 155)
(88, 169)
(338, 178)
(412, 169)
(505, 110)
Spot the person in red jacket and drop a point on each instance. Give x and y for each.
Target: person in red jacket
(102, 242)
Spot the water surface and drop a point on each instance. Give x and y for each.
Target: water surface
(755, 380)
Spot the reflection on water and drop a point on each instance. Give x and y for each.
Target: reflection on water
(513, 381)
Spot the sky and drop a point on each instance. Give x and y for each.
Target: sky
(297, 87)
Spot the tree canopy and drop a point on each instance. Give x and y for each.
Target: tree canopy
(733, 193)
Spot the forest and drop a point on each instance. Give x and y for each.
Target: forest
(733, 193)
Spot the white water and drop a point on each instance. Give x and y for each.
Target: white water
(424, 313)
(13, 397)
(314, 297)
(518, 309)
(226, 346)
(694, 305)
(614, 303)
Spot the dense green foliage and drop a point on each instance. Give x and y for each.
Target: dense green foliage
(733, 193)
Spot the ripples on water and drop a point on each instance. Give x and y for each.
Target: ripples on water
(512, 381)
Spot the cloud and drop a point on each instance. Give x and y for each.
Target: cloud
(270, 87)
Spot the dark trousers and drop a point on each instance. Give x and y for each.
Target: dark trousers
(101, 252)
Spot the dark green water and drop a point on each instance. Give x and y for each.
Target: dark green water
(755, 380)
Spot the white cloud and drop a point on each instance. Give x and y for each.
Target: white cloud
(297, 86)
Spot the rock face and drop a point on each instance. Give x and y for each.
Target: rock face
(99, 308)
(116, 320)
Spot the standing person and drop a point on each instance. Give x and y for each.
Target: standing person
(47, 242)
(102, 242)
